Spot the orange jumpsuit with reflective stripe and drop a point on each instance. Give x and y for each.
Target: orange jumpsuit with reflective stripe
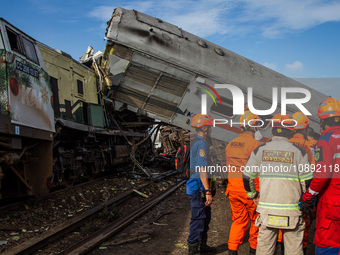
(242, 208)
(300, 140)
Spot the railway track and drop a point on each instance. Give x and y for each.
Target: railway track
(108, 231)
(62, 231)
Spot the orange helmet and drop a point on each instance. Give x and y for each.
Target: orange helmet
(282, 121)
(301, 119)
(247, 116)
(329, 108)
(201, 120)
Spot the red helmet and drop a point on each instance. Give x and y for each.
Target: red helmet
(301, 119)
(329, 108)
(283, 121)
(201, 120)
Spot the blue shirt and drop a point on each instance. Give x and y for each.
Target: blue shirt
(198, 158)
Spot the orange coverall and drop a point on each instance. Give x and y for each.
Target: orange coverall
(312, 141)
(242, 208)
(300, 140)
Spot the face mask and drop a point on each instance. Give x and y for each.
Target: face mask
(258, 135)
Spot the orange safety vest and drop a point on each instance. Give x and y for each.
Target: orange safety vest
(300, 140)
(237, 153)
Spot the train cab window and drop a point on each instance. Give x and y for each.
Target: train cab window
(225, 110)
(22, 45)
(14, 40)
(30, 50)
(80, 87)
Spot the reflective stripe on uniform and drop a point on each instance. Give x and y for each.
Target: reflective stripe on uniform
(287, 177)
(312, 192)
(307, 176)
(251, 175)
(251, 194)
(279, 206)
(336, 155)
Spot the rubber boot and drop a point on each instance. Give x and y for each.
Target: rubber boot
(205, 249)
(194, 248)
(232, 252)
(252, 251)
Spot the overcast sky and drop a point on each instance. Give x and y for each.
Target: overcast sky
(299, 39)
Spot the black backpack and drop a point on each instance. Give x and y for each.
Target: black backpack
(182, 161)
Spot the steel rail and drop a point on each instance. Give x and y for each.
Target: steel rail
(36, 243)
(100, 236)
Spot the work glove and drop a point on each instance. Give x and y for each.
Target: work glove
(307, 208)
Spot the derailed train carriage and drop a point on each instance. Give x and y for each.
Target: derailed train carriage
(55, 127)
(163, 71)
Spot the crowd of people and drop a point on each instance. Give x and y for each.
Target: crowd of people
(280, 204)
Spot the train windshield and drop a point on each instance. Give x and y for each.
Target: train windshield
(30, 50)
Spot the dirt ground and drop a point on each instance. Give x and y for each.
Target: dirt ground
(168, 234)
(165, 229)
(162, 230)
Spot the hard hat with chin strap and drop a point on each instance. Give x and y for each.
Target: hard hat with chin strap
(301, 119)
(329, 108)
(200, 120)
(278, 120)
(246, 117)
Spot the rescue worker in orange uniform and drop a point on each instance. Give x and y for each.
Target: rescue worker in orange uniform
(242, 208)
(300, 139)
(326, 182)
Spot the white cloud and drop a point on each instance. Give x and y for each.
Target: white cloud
(278, 17)
(102, 13)
(295, 66)
(203, 18)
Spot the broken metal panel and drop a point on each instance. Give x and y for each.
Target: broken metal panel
(130, 96)
(153, 82)
(142, 75)
(172, 85)
(156, 88)
(161, 107)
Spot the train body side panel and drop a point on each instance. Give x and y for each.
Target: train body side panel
(76, 84)
(151, 51)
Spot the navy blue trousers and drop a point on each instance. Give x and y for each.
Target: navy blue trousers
(326, 251)
(200, 218)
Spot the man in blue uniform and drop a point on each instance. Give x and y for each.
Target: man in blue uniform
(198, 187)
